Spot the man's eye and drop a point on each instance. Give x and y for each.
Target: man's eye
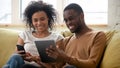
(65, 20)
(71, 18)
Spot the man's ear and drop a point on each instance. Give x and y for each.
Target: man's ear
(81, 15)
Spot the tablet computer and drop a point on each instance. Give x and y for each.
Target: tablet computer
(41, 47)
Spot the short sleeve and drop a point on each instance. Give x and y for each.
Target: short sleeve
(22, 35)
(25, 35)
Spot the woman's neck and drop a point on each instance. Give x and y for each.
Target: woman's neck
(41, 34)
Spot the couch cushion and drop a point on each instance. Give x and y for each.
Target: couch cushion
(111, 58)
(8, 40)
(66, 33)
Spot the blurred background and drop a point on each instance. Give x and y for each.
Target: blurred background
(98, 13)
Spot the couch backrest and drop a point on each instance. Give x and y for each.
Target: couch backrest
(8, 39)
(111, 57)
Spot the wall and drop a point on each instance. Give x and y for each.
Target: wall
(113, 12)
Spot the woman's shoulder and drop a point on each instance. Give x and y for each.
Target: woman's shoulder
(26, 31)
(57, 36)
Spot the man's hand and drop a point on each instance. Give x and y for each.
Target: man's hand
(56, 53)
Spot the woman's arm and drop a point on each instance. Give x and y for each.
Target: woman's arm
(20, 41)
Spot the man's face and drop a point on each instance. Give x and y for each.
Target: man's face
(72, 20)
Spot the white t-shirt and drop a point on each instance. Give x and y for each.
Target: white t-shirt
(29, 39)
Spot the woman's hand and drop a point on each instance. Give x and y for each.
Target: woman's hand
(28, 57)
(38, 60)
(21, 52)
(56, 53)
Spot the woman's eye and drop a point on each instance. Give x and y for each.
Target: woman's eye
(42, 19)
(35, 20)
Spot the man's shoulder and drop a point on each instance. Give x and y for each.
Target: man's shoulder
(98, 32)
(66, 39)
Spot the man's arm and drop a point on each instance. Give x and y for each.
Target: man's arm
(96, 53)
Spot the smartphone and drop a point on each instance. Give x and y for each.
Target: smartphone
(20, 47)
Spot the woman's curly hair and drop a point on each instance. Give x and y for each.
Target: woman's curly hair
(35, 6)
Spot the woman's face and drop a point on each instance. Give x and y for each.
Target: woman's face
(40, 21)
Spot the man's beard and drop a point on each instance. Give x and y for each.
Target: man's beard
(78, 29)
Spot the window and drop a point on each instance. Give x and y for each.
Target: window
(5, 11)
(95, 11)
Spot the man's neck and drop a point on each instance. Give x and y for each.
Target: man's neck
(82, 32)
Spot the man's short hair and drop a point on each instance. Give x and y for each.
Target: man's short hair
(75, 7)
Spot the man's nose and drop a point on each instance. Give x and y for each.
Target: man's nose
(68, 22)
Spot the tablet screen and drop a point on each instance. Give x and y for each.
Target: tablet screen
(41, 47)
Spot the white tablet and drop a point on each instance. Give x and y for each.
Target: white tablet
(41, 47)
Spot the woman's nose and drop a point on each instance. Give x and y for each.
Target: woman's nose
(39, 22)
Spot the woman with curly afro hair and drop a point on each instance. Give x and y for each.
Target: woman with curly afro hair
(40, 18)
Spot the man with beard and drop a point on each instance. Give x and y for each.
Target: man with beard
(84, 48)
